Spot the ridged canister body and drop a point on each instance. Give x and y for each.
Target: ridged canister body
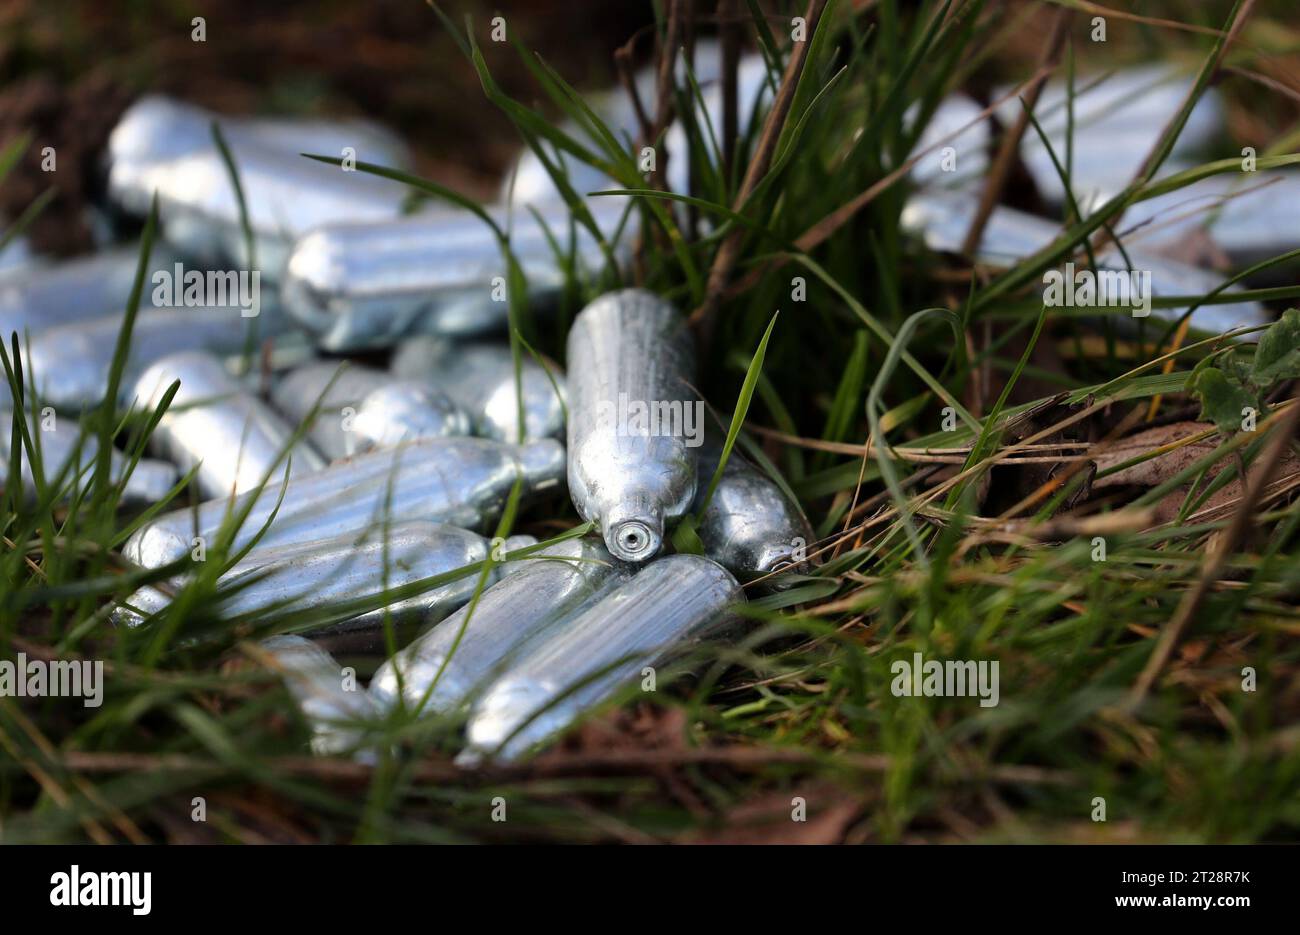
(631, 363)
(326, 572)
(70, 364)
(359, 285)
(234, 438)
(442, 669)
(59, 437)
(481, 378)
(667, 604)
(461, 481)
(750, 526)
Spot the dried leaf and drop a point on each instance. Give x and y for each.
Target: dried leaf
(1155, 470)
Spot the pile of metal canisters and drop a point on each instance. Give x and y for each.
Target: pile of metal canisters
(357, 477)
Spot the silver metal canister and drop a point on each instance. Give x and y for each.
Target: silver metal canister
(403, 411)
(359, 408)
(331, 387)
(286, 195)
(1251, 216)
(70, 364)
(1118, 118)
(481, 378)
(442, 668)
(157, 128)
(363, 284)
(750, 527)
(234, 438)
(58, 438)
(530, 184)
(640, 624)
(942, 220)
(331, 700)
(460, 481)
(633, 419)
(311, 575)
(45, 295)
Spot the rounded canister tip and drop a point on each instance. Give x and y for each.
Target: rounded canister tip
(634, 541)
(156, 545)
(633, 538)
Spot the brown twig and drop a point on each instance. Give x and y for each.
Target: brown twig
(692, 181)
(623, 63)
(553, 764)
(1097, 9)
(664, 109)
(1009, 150)
(759, 163)
(729, 36)
(1271, 83)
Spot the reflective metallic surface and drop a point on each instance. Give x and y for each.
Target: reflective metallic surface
(530, 184)
(534, 597)
(461, 481)
(666, 604)
(213, 422)
(286, 195)
(58, 439)
(347, 568)
(329, 698)
(361, 409)
(1118, 118)
(71, 363)
(626, 350)
(481, 378)
(17, 254)
(404, 411)
(157, 128)
(364, 285)
(330, 387)
(751, 527)
(942, 219)
(46, 295)
(1251, 216)
(959, 161)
